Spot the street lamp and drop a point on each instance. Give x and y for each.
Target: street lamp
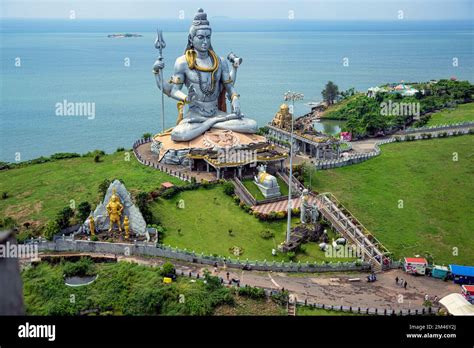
(291, 96)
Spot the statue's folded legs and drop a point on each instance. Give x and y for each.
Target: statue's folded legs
(187, 130)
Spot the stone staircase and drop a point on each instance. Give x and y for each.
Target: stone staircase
(347, 225)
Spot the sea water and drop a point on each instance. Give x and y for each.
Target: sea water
(48, 63)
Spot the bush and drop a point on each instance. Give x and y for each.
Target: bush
(291, 255)
(94, 153)
(4, 165)
(147, 135)
(103, 186)
(82, 268)
(229, 188)
(281, 297)
(63, 155)
(4, 195)
(120, 149)
(167, 269)
(267, 234)
(23, 236)
(51, 229)
(64, 216)
(142, 201)
(97, 158)
(83, 211)
(251, 292)
(8, 222)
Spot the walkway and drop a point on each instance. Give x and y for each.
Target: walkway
(280, 206)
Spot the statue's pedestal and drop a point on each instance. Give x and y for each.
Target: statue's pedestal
(269, 192)
(174, 152)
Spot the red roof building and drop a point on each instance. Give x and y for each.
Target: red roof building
(416, 260)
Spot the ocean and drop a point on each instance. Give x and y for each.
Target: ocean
(46, 62)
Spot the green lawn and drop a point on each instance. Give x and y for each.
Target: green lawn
(462, 113)
(204, 223)
(257, 194)
(437, 195)
(37, 192)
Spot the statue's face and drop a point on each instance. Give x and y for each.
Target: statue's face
(202, 40)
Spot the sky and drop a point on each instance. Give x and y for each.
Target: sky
(259, 9)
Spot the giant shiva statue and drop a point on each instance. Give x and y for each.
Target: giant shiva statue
(208, 79)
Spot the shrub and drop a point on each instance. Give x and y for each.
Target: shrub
(251, 292)
(64, 216)
(51, 229)
(267, 234)
(4, 195)
(97, 158)
(142, 201)
(147, 135)
(167, 269)
(82, 268)
(94, 153)
(291, 255)
(24, 235)
(8, 222)
(281, 297)
(4, 165)
(120, 149)
(83, 210)
(63, 155)
(229, 188)
(103, 186)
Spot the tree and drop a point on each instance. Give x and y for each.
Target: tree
(51, 229)
(147, 135)
(104, 185)
(330, 92)
(83, 210)
(64, 216)
(142, 204)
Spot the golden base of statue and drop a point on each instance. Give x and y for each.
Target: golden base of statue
(166, 148)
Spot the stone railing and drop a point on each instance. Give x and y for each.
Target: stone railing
(352, 159)
(158, 166)
(435, 128)
(149, 249)
(247, 196)
(370, 311)
(429, 133)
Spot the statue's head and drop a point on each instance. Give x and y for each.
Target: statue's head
(199, 37)
(284, 109)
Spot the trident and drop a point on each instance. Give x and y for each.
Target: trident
(159, 45)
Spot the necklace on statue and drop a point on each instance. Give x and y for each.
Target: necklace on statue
(206, 89)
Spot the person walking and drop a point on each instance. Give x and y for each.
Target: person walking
(405, 285)
(396, 280)
(227, 274)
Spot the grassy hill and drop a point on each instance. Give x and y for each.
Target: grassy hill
(37, 192)
(437, 195)
(462, 113)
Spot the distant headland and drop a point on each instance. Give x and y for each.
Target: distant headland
(124, 35)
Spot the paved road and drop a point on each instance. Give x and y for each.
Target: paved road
(329, 289)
